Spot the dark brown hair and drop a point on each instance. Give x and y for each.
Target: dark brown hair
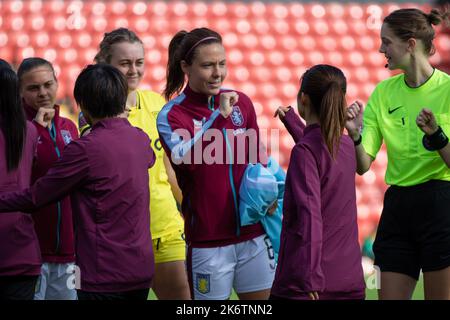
(29, 64)
(414, 23)
(111, 38)
(12, 117)
(183, 46)
(325, 86)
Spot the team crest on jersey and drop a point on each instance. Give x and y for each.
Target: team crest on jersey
(203, 282)
(236, 117)
(67, 137)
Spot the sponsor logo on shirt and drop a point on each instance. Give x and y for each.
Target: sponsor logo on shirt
(239, 131)
(236, 117)
(203, 282)
(67, 137)
(391, 110)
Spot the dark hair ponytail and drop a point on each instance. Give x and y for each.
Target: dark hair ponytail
(332, 116)
(183, 46)
(12, 117)
(174, 73)
(325, 86)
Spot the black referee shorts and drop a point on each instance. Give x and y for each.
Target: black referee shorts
(414, 229)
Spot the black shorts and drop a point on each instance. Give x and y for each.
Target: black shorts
(17, 287)
(414, 229)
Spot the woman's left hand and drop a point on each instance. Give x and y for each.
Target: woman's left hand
(313, 295)
(426, 121)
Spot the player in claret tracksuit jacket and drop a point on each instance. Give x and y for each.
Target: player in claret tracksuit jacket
(200, 130)
(53, 223)
(106, 173)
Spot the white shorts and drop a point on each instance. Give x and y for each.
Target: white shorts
(53, 283)
(248, 266)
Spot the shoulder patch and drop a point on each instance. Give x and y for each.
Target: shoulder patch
(67, 137)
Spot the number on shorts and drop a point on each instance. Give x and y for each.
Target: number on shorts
(270, 251)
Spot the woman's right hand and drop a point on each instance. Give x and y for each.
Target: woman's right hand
(44, 117)
(354, 119)
(281, 112)
(227, 101)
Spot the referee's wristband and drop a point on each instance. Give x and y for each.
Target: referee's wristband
(435, 141)
(358, 142)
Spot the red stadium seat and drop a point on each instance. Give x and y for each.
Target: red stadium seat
(316, 10)
(95, 8)
(276, 58)
(32, 6)
(257, 9)
(219, 9)
(199, 9)
(249, 41)
(235, 57)
(20, 39)
(98, 24)
(335, 58)
(296, 10)
(307, 43)
(328, 43)
(277, 11)
(177, 9)
(136, 9)
(40, 39)
(54, 6)
(13, 6)
(284, 75)
(296, 58)
(260, 26)
(6, 53)
(116, 8)
(334, 10)
(287, 43)
(238, 10)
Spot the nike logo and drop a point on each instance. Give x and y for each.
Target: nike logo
(395, 109)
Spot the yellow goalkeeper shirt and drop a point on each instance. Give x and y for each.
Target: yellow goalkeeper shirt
(165, 217)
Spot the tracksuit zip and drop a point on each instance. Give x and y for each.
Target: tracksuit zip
(233, 189)
(52, 133)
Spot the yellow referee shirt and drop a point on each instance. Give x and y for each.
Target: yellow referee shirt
(390, 115)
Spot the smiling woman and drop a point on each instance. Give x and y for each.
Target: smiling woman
(414, 229)
(221, 254)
